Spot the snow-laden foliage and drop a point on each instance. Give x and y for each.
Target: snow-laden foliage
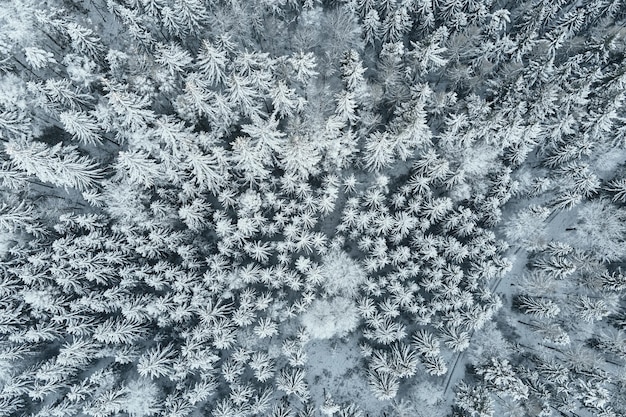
(327, 319)
(197, 197)
(341, 274)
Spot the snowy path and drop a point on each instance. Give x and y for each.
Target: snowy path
(555, 227)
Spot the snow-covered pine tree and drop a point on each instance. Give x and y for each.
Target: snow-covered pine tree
(60, 165)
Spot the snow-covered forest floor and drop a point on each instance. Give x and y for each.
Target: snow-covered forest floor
(308, 208)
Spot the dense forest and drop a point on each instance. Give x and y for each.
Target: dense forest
(308, 208)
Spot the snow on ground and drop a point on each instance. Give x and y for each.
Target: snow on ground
(334, 367)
